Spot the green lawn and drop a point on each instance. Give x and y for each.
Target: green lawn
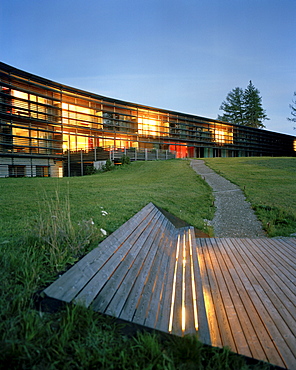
(269, 184)
(46, 225)
(123, 192)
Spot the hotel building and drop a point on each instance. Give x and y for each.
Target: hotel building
(45, 125)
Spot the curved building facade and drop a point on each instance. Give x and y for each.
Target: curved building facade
(44, 125)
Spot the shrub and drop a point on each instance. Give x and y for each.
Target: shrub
(109, 166)
(91, 170)
(125, 159)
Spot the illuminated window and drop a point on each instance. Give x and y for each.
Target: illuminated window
(152, 127)
(79, 116)
(19, 94)
(82, 142)
(20, 106)
(21, 139)
(223, 135)
(294, 145)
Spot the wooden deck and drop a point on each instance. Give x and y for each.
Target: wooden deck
(250, 296)
(233, 292)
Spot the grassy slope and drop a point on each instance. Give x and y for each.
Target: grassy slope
(123, 192)
(270, 186)
(75, 337)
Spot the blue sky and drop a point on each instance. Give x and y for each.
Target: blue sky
(182, 55)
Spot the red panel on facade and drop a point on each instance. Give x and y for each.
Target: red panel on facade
(181, 150)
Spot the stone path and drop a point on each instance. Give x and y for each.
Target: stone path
(234, 216)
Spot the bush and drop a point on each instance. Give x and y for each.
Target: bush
(109, 166)
(125, 159)
(91, 170)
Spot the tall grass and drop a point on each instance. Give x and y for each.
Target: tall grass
(270, 186)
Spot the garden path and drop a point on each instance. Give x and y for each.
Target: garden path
(234, 216)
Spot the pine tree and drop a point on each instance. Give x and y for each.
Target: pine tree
(293, 110)
(254, 113)
(244, 107)
(233, 107)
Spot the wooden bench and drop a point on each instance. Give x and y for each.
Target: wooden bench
(146, 272)
(239, 293)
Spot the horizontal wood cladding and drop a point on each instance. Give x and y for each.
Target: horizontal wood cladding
(93, 119)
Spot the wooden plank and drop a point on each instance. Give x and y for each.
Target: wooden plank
(145, 297)
(155, 302)
(291, 242)
(274, 296)
(203, 327)
(124, 230)
(264, 335)
(277, 251)
(276, 278)
(114, 293)
(94, 286)
(214, 276)
(69, 284)
(276, 347)
(247, 314)
(136, 293)
(252, 302)
(176, 307)
(215, 336)
(232, 302)
(233, 324)
(287, 245)
(189, 302)
(125, 290)
(170, 249)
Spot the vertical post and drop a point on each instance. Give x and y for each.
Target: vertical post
(95, 153)
(166, 154)
(157, 154)
(81, 158)
(146, 154)
(136, 151)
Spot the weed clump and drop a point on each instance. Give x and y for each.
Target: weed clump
(61, 241)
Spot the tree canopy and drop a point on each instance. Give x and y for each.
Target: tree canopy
(244, 107)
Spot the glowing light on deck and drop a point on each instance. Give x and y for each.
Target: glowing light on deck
(194, 300)
(183, 285)
(174, 287)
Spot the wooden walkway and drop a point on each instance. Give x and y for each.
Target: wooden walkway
(239, 293)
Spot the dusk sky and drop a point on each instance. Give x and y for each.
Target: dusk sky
(181, 55)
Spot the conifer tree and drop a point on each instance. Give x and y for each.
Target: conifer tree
(244, 107)
(293, 110)
(254, 113)
(233, 107)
